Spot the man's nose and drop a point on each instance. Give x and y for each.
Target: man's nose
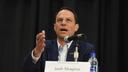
(63, 23)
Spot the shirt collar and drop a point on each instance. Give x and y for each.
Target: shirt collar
(68, 44)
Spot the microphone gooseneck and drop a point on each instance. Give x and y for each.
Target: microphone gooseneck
(74, 37)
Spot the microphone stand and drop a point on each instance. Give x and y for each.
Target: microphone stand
(76, 52)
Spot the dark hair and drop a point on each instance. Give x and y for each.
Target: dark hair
(69, 9)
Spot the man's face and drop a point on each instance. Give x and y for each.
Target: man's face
(65, 24)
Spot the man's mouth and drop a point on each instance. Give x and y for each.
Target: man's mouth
(63, 29)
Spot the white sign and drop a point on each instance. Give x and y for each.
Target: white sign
(58, 66)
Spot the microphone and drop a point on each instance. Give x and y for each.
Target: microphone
(74, 37)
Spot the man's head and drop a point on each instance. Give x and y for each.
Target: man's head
(65, 22)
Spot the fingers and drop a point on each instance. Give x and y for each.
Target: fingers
(40, 44)
(41, 35)
(40, 40)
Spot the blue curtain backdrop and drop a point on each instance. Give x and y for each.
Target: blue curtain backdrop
(103, 21)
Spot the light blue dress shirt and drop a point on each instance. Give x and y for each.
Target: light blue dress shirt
(63, 51)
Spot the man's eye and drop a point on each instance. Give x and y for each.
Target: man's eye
(59, 20)
(69, 20)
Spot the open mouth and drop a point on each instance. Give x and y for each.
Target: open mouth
(63, 30)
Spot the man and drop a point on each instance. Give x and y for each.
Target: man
(49, 50)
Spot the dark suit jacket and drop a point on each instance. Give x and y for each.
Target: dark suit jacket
(51, 54)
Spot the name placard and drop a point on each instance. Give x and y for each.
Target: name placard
(58, 66)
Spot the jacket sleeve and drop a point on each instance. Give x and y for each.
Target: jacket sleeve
(30, 66)
(88, 49)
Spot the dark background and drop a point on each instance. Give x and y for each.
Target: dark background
(103, 21)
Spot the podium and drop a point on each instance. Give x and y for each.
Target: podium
(67, 66)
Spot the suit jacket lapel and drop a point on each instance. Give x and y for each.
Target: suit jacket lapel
(70, 54)
(54, 51)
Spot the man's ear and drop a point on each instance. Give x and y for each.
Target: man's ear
(54, 27)
(76, 27)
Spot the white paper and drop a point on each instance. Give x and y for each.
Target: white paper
(58, 66)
